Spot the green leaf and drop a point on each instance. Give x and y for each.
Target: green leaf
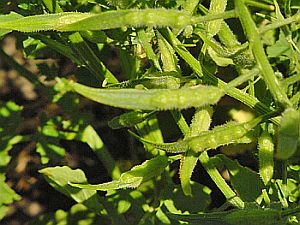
(78, 214)
(49, 148)
(10, 119)
(59, 177)
(7, 196)
(132, 178)
(9, 17)
(200, 122)
(242, 178)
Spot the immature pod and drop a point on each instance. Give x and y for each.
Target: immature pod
(265, 156)
(153, 99)
(288, 134)
(128, 119)
(231, 133)
(75, 21)
(151, 82)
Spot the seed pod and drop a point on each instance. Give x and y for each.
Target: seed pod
(153, 99)
(288, 134)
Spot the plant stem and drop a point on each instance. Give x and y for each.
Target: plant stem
(90, 60)
(260, 5)
(280, 23)
(243, 97)
(259, 54)
(22, 70)
(225, 15)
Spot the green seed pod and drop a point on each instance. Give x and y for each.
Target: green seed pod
(288, 134)
(231, 133)
(153, 99)
(128, 119)
(265, 156)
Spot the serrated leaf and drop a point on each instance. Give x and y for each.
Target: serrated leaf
(242, 178)
(132, 178)
(9, 17)
(200, 122)
(59, 177)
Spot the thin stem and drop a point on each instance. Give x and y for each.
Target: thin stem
(180, 121)
(90, 59)
(259, 54)
(21, 70)
(260, 5)
(235, 93)
(225, 15)
(280, 23)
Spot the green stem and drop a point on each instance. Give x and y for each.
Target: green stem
(235, 93)
(225, 15)
(280, 23)
(142, 37)
(21, 70)
(180, 121)
(260, 5)
(219, 181)
(90, 60)
(259, 54)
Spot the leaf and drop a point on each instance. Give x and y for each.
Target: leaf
(132, 178)
(153, 99)
(78, 214)
(280, 48)
(175, 200)
(7, 196)
(59, 177)
(234, 217)
(49, 148)
(242, 178)
(200, 122)
(9, 17)
(10, 119)
(288, 134)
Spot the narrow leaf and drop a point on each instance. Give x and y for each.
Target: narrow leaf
(200, 122)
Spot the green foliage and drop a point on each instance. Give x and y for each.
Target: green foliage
(180, 65)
